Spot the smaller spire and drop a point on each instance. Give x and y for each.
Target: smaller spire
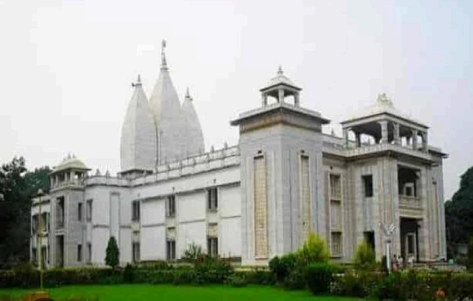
(138, 82)
(163, 55)
(280, 72)
(188, 95)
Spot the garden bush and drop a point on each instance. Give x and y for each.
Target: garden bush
(237, 280)
(319, 277)
(314, 250)
(364, 257)
(295, 280)
(211, 270)
(281, 267)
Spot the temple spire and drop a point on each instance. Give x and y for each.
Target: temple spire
(163, 55)
(138, 82)
(188, 95)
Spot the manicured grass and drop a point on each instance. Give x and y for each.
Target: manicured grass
(176, 293)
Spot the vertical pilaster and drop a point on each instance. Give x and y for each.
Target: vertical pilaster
(358, 139)
(296, 99)
(345, 136)
(425, 141)
(397, 137)
(264, 99)
(384, 131)
(414, 139)
(280, 95)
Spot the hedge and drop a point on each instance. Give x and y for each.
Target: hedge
(319, 278)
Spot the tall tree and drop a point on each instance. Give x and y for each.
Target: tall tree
(17, 187)
(459, 213)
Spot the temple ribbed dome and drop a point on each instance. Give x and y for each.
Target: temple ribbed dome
(70, 162)
(170, 125)
(138, 140)
(194, 142)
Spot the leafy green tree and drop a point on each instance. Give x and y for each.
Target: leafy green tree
(314, 250)
(112, 257)
(459, 213)
(17, 187)
(470, 254)
(364, 257)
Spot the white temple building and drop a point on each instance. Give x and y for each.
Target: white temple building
(251, 201)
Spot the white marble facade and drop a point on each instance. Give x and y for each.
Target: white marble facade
(251, 201)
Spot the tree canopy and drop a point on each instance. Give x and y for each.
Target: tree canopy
(17, 187)
(459, 213)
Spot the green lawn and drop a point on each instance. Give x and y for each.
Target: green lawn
(176, 293)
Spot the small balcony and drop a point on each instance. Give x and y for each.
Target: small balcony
(410, 206)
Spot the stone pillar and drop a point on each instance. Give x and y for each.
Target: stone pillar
(264, 99)
(358, 139)
(397, 136)
(280, 95)
(425, 142)
(384, 131)
(296, 99)
(345, 136)
(414, 139)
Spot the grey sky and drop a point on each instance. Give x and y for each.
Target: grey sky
(66, 67)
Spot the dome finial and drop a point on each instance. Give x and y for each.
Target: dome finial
(163, 55)
(280, 72)
(384, 100)
(188, 95)
(138, 82)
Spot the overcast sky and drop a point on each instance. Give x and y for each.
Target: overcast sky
(66, 67)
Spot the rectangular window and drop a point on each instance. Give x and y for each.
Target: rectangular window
(34, 223)
(212, 246)
(335, 215)
(336, 244)
(79, 252)
(135, 211)
(335, 187)
(171, 250)
(43, 256)
(212, 199)
(79, 212)
(136, 252)
(34, 255)
(171, 206)
(88, 210)
(89, 253)
(368, 185)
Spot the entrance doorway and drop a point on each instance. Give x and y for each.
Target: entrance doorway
(409, 239)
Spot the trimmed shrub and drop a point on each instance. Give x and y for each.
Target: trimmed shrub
(319, 277)
(237, 280)
(282, 267)
(295, 280)
(112, 257)
(314, 250)
(128, 274)
(258, 277)
(211, 270)
(183, 276)
(364, 257)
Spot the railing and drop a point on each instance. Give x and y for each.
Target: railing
(368, 149)
(411, 202)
